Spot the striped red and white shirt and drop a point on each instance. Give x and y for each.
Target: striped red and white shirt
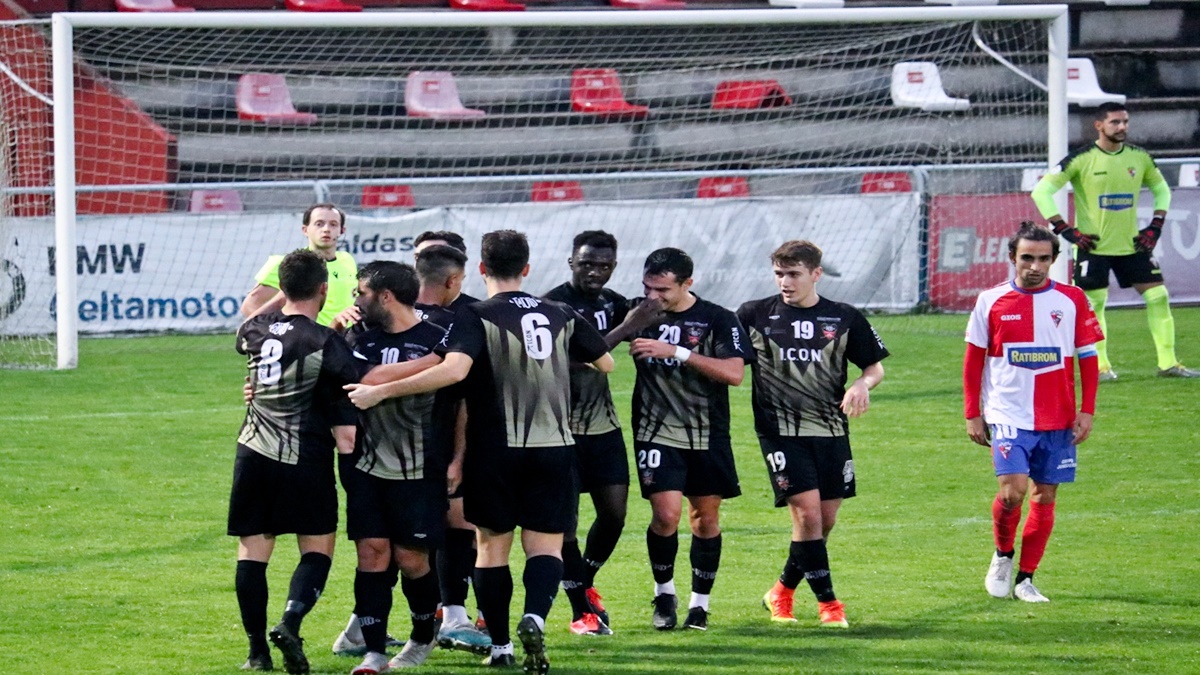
(1032, 340)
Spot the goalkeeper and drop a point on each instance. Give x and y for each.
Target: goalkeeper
(1107, 177)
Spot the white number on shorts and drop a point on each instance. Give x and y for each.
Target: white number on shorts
(1083, 265)
(538, 341)
(269, 369)
(649, 459)
(1004, 431)
(668, 333)
(777, 460)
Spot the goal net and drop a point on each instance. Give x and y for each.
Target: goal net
(894, 139)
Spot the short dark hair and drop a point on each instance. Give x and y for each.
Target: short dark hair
(670, 260)
(798, 252)
(505, 253)
(301, 274)
(389, 275)
(452, 238)
(438, 262)
(323, 205)
(1103, 110)
(1031, 231)
(595, 239)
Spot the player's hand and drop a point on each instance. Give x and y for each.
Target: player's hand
(247, 391)
(857, 400)
(647, 348)
(643, 314)
(1147, 239)
(364, 396)
(454, 476)
(1082, 427)
(979, 432)
(1085, 242)
(346, 317)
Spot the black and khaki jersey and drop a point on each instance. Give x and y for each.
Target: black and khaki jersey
(800, 371)
(592, 410)
(674, 405)
(402, 438)
(442, 317)
(518, 390)
(297, 369)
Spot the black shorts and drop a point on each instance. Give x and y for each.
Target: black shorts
(1091, 270)
(801, 463)
(695, 473)
(532, 488)
(270, 497)
(602, 460)
(411, 513)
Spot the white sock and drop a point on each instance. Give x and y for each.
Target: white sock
(454, 615)
(668, 588)
(353, 630)
(699, 600)
(541, 623)
(498, 650)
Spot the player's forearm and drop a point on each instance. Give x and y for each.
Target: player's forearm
(726, 371)
(390, 372)
(1162, 197)
(1043, 198)
(973, 363)
(1089, 380)
(460, 432)
(871, 376)
(261, 299)
(604, 364)
(439, 376)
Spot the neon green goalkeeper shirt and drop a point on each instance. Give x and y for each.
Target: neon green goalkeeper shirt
(1106, 187)
(343, 279)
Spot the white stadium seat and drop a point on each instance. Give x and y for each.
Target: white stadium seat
(1083, 88)
(1189, 175)
(918, 84)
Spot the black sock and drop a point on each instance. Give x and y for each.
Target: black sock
(814, 558)
(601, 542)
(705, 556)
(393, 572)
(1022, 576)
(251, 585)
(793, 569)
(493, 592)
(1006, 554)
(422, 595)
(372, 605)
(542, 574)
(455, 564)
(662, 552)
(308, 582)
(572, 578)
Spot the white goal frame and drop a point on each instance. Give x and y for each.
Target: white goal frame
(67, 327)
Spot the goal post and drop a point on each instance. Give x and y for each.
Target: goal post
(621, 157)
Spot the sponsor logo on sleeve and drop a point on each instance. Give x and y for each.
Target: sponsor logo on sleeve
(1034, 358)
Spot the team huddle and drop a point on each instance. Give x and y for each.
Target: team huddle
(456, 421)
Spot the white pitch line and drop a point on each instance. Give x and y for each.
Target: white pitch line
(118, 414)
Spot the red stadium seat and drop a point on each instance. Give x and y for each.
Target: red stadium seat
(748, 94)
(557, 191)
(433, 94)
(215, 201)
(598, 91)
(387, 196)
(151, 6)
(487, 5)
(320, 6)
(264, 97)
(723, 187)
(896, 181)
(648, 4)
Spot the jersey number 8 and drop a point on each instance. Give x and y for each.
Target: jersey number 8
(269, 369)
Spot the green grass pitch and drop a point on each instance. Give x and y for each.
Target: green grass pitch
(113, 558)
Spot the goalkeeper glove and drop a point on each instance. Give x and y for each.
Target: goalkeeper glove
(1085, 242)
(1146, 239)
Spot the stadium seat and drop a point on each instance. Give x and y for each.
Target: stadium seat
(810, 4)
(891, 181)
(557, 191)
(648, 4)
(264, 97)
(723, 187)
(962, 2)
(487, 5)
(434, 94)
(598, 91)
(151, 6)
(1126, 2)
(1083, 88)
(743, 94)
(215, 201)
(1189, 175)
(918, 84)
(320, 6)
(387, 197)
